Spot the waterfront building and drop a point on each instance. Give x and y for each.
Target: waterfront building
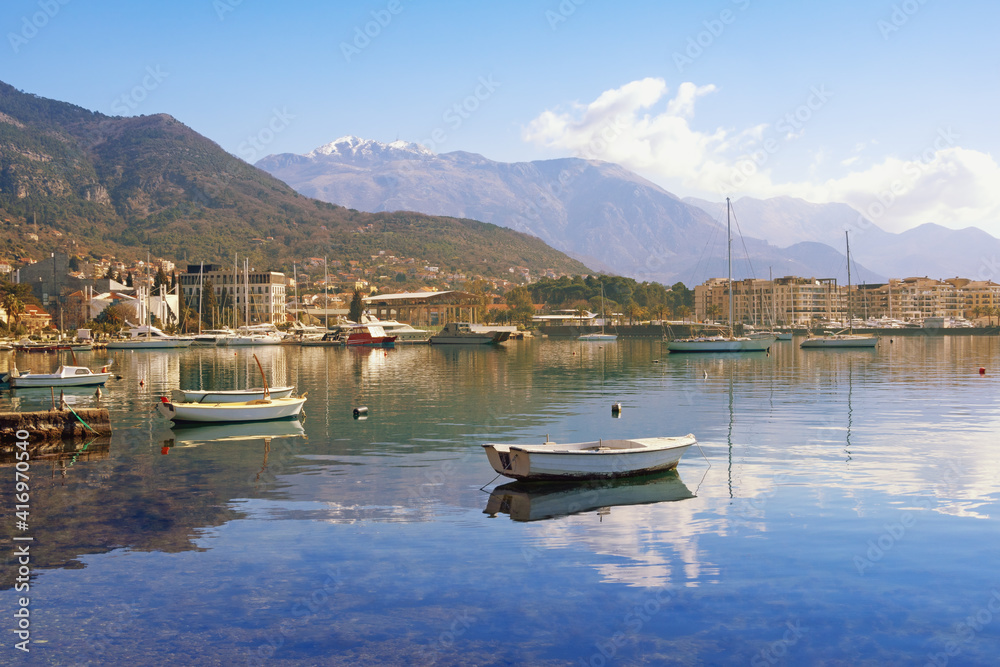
(260, 292)
(426, 308)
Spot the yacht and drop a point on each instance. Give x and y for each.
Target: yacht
(462, 333)
(148, 337)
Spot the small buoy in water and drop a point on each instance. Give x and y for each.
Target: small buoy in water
(982, 371)
(164, 450)
(705, 374)
(656, 361)
(616, 407)
(142, 383)
(98, 393)
(361, 411)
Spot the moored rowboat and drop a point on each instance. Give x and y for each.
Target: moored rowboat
(242, 411)
(588, 460)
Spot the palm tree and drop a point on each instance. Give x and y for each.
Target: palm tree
(14, 308)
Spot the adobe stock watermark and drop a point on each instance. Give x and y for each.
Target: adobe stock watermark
(634, 621)
(777, 650)
(900, 16)
(966, 630)
(223, 7)
(363, 35)
(789, 124)
(131, 100)
(912, 171)
(893, 532)
(598, 145)
(714, 28)
(251, 149)
(446, 640)
(47, 10)
(565, 9)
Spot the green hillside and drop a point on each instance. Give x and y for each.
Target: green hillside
(86, 183)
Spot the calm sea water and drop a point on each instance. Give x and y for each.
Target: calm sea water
(843, 509)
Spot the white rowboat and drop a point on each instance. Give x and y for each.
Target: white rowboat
(243, 411)
(588, 460)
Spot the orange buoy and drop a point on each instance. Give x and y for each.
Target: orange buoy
(982, 371)
(164, 450)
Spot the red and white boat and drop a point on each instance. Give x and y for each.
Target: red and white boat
(369, 335)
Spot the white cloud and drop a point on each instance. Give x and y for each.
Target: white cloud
(946, 184)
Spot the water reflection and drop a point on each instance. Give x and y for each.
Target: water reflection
(535, 501)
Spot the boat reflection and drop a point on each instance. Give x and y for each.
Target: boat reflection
(533, 501)
(196, 436)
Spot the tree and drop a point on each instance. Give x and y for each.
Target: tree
(208, 304)
(357, 307)
(521, 308)
(161, 279)
(12, 300)
(115, 316)
(129, 280)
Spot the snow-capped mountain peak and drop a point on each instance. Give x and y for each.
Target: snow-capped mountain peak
(356, 148)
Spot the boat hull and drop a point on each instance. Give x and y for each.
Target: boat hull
(597, 337)
(231, 412)
(48, 380)
(227, 396)
(592, 460)
(834, 342)
(721, 345)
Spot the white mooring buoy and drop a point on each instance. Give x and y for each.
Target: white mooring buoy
(360, 411)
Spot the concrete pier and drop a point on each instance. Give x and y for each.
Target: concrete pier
(54, 424)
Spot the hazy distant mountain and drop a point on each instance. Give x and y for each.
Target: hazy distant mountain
(598, 212)
(94, 183)
(928, 250)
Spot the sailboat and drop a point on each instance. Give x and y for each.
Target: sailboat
(730, 342)
(599, 336)
(841, 339)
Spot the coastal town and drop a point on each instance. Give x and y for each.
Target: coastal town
(64, 293)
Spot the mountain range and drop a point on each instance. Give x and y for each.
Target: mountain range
(615, 220)
(86, 183)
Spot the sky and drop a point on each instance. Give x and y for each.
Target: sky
(890, 107)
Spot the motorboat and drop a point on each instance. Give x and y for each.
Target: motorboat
(242, 411)
(65, 376)
(255, 334)
(527, 501)
(367, 335)
(210, 337)
(404, 333)
(228, 395)
(148, 337)
(463, 333)
(588, 460)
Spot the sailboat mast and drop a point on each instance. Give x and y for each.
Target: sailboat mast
(729, 263)
(201, 288)
(326, 293)
(847, 306)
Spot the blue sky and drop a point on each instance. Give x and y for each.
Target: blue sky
(887, 106)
